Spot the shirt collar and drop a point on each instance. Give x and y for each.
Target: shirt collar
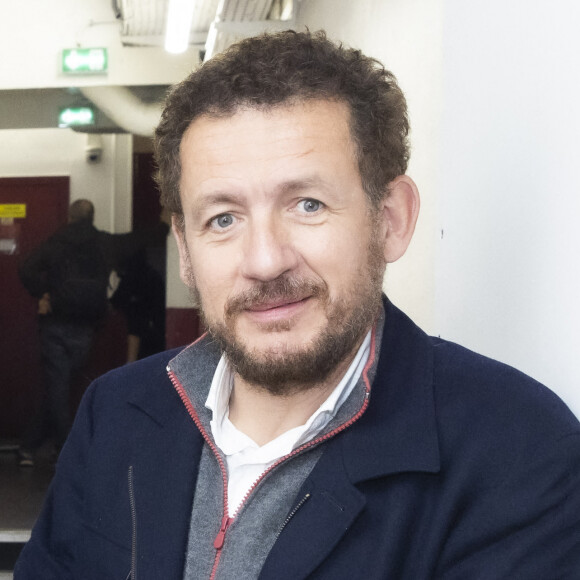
(230, 440)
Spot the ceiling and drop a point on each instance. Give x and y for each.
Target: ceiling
(222, 21)
(143, 22)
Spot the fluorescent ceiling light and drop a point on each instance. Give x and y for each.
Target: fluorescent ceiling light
(211, 41)
(179, 17)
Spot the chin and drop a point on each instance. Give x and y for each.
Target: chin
(280, 341)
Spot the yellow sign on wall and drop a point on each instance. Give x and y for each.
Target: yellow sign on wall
(12, 210)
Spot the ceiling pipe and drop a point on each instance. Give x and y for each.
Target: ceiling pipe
(125, 109)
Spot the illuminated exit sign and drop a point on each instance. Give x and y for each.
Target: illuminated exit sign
(84, 60)
(76, 117)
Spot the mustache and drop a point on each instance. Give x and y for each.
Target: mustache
(285, 287)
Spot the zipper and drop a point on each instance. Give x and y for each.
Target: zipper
(227, 520)
(218, 543)
(291, 514)
(130, 478)
(220, 538)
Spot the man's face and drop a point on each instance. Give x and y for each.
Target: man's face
(280, 244)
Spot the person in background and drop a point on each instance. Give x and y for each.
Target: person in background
(140, 296)
(315, 431)
(69, 275)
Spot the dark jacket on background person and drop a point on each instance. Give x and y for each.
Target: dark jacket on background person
(140, 296)
(43, 271)
(460, 468)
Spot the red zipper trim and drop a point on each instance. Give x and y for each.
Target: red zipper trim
(226, 520)
(219, 543)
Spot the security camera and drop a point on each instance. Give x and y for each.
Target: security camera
(93, 155)
(93, 148)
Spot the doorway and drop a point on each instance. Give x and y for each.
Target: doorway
(45, 201)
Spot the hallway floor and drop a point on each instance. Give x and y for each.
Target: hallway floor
(22, 491)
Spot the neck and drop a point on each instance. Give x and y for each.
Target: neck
(263, 416)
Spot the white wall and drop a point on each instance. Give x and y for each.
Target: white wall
(493, 98)
(42, 152)
(121, 192)
(508, 276)
(177, 292)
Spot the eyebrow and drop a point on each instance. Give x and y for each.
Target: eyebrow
(216, 198)
(297, 185)
(219, 197)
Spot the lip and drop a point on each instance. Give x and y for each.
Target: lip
(277, 310)
(281, 303)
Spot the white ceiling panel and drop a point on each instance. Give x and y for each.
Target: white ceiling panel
(143, 21)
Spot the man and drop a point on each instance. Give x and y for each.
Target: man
(315, 431)
(69, 275)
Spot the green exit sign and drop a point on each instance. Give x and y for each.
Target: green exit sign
(84, 60)
(76, 117)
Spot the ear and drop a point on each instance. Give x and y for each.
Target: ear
(184, 260)
(400, 212)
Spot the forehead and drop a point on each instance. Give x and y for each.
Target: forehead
(251, 136)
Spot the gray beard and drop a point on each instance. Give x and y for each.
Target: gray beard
(286, 372)
(290, 371)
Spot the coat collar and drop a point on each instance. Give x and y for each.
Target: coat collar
(153, 393)
(398, 432)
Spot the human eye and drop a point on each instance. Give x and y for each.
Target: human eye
(221, 222)
(310, 205)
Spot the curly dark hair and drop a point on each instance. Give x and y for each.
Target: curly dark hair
(285, 68)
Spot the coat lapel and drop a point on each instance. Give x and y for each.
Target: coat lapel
(317, 526)
(164, 472)
(397, 433)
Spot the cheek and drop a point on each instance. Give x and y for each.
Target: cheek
(213, 279)
(336, 254)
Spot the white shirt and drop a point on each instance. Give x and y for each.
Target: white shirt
(246, 460)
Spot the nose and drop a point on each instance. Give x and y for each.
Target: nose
(268, 251)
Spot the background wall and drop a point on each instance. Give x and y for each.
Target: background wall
(508, 279)
(43, 152)
(493, 99)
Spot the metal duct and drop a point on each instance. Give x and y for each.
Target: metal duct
(126, 109)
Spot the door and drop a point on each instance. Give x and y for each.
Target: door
(46, 204)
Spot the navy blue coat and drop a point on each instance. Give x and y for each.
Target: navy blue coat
(461, 468)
